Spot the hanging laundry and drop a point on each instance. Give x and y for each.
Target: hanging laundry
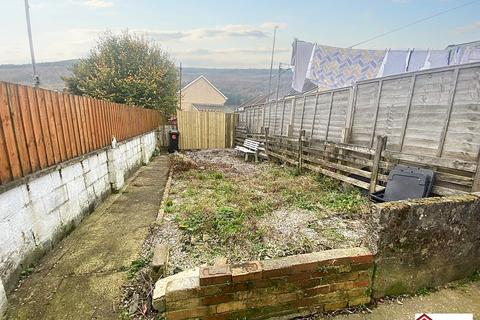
(436, 59)
(417, 60)
(395, 62)
(332, 67)
(301, 54)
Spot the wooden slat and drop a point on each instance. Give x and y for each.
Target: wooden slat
(52, 127)
(69, 118)
(28, 128)
(37, 127)
(58, 126)
(18, 129)
(8, 133)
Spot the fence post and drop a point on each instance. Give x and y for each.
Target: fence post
(292, 116)
(283, 117)
(266, 141)
(300, 150)
(451, 99)
(407, 113)
(380, 145)
(377, 107)
(314, 116)
(476, 180)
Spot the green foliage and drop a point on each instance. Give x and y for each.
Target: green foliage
(227, 207)
(137, 265)
(127, 69)
(27, 271)
(424, 291)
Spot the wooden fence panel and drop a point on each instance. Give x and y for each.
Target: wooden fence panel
(205, 130)
(41, 128)
(430, 117)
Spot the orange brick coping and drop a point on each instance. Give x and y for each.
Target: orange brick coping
(294, 285)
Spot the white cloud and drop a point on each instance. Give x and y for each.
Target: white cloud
(469, 28)
(96, 4)
(241, 46)
(219, 32)
(271, 25)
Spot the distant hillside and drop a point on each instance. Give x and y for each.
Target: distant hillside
(237, 84)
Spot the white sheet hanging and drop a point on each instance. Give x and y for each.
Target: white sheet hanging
(301, 55)
(395, 62)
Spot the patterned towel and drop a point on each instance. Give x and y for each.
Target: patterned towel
(332, 67)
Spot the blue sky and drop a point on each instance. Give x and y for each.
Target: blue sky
(237, 34)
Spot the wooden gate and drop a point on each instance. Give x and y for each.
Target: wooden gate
(205, 129)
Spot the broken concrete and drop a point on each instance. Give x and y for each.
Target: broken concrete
(160, 291)
(160, 261)
(83, 276)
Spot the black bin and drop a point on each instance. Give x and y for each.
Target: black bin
(173, 136)
(405, 182)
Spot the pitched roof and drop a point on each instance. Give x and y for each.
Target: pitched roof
(261, 98)
(214, 107)
(204, 78)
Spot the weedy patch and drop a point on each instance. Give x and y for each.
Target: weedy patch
(223, 206)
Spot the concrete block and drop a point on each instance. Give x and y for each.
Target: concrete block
(71, 172)
(90, 177)
(44, 222)
(13, 201)
(93, 162)
(69, 211)
(100, 187)
(102, 157)
(3, 301)
(41, 186)
(75, 187)
(160, 261)
(54, 199)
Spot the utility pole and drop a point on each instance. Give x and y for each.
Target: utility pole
(271, 63)
(180, 79)
(36, 78)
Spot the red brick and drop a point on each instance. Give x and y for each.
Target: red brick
(361, 266)
(342, 286)
(364, 283)
(246, 271)
(316, 290)
(191, 313)
(212, 275)
(217, 299)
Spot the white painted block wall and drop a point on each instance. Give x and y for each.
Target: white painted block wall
(34, 215)
(3, 301)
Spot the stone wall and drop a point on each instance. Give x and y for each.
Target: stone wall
(426, 243)
(294, 285)
(36, 214)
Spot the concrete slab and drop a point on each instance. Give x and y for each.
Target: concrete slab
(463, 299)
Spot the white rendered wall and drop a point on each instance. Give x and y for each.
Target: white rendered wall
(35, 215)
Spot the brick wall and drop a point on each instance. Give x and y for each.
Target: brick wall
(294, 285)
(36, 214)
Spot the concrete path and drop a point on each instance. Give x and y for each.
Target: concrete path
(461, 299)
(82, 277)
